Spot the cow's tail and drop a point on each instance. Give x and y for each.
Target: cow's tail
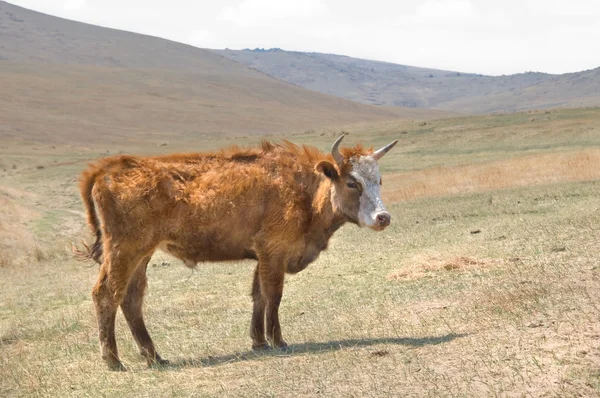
(93, 252)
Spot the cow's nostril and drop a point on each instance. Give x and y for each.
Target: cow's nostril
(384, 219)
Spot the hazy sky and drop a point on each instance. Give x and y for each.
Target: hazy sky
(479, 36)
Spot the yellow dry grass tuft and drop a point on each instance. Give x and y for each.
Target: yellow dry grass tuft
(431, 266)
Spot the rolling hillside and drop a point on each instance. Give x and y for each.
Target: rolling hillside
(381, 83)
(70, 82)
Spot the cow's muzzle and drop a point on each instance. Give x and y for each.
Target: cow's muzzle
(382, 220)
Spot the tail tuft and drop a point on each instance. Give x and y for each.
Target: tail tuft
(93, 252)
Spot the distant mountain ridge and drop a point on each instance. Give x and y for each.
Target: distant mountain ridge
(382, 83)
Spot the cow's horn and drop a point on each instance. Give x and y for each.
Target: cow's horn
(335, 151)
(378, 154)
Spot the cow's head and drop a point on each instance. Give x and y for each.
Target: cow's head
(355, 185)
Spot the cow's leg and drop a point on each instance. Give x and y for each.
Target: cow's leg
(271, 284)
(106, 310)
(257, 326)
(107, 295)
(132, 309)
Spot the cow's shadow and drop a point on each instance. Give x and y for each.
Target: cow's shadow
(310, 347)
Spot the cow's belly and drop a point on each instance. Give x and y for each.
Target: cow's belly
(225, 233)
(210, 246)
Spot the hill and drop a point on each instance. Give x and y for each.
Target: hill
(381, 83)
(70, 82)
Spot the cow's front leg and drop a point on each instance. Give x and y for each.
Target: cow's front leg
(271, 283)
(257, 326)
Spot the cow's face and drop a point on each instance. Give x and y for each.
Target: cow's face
(356, 183)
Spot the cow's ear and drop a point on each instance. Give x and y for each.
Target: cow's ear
(328, 169)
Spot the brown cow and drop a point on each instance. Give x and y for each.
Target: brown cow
(277, 204)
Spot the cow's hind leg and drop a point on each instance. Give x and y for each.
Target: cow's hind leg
(106, 311)
(108, 293)
(132, 309)
(257, 326)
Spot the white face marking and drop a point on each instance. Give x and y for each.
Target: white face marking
(366, 172)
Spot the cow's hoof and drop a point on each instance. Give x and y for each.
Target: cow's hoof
(158, 363)
(261, 346)
(117, 367)
(282, 345)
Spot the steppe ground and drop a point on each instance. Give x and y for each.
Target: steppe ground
(487, 283)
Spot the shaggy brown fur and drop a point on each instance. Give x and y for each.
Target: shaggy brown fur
(273, 204)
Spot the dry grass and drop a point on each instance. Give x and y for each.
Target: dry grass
(509, 310)
(5, 259)
(522, 171)
(15, 240)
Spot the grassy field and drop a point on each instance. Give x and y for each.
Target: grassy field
(487, 283)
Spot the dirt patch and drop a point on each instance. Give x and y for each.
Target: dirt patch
(433, 266)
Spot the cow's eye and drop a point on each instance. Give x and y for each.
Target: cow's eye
(380, 181)
(351, 185)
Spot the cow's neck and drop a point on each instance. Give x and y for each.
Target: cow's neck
(323, 223)
(325, 219)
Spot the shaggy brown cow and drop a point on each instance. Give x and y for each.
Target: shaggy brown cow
(278, 204)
